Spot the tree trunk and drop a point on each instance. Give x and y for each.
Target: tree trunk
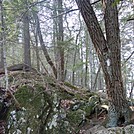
(116, 93)
(1, 56)
(67, 52)
(37, 51)
(1, 36)
(109, 56)
(60, 47)
(49, 60)
(27, 54)
(55, 30)
(91, 64)
(82, 62)
(87, 57)
(75, 55)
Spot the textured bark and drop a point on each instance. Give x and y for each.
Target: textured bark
(116, 93)
(108, 50)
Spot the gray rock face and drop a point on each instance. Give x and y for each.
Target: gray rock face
(115, 130)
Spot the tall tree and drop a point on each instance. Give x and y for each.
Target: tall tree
(60, 47)
(37, 49)
(75, 52)
(87, 55)
(1, 36)
(43, 46)
(108, 51)
(4, 101)
(27, 54)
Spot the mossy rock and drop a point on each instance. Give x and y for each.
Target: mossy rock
(75, 117)
(115, 130)
(33, 101)
(29, 97)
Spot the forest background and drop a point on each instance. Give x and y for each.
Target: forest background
(51, 37)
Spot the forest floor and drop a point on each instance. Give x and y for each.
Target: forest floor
(84, 110)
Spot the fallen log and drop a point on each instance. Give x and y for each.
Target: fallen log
(17, 67)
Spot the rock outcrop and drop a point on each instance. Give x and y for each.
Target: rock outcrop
(116, 130)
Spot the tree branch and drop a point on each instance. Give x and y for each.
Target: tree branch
(128, 58)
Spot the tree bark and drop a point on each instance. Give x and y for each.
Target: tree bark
(1, 36)
(108, 51)
(60, 47)
(37, 50)
(27, 53)
(87, 57)
(117, 93)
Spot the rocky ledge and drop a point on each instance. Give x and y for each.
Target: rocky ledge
(115, 130)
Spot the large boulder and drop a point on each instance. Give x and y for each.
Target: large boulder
(115, 130)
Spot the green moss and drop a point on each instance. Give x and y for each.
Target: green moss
(29, 97)
(10, 78)
(64, 95)
(70, 86)
(88, 110)
(123, 131)
(117, 132)
(75, 117)
(41, 105)
(23, 95)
